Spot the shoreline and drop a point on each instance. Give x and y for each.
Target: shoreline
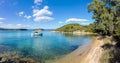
(90, 53)
(76, 32)
(94, 53)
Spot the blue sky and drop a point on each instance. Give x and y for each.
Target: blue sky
(48, 14)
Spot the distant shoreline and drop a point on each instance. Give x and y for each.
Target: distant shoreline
(76, 32)
(14, 29)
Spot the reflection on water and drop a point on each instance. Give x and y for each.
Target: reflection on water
(48, 46)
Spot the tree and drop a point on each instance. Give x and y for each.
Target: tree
(107, 16)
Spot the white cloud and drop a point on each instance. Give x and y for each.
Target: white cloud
(43, 18)
(14, 26)
(37, 1)
(42, 12)
(42, 15)
(27, 17)
(5, 25)
(1, 22)
(85, 23)
(60, 22)
(76, 20)
(19, 24)
(21, 13)
(2, 19)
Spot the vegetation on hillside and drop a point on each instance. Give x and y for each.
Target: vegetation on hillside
(106, 14)
(70, 28)
(75, 27)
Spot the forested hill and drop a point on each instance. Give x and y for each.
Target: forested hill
(74, 27)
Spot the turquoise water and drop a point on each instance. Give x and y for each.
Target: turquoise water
(48, 46)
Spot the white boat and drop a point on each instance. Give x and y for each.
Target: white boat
(36, 34)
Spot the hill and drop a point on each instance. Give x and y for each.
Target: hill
(76, 27)
(71, 28)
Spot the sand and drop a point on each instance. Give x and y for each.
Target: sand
(85, 54)
(94, 52)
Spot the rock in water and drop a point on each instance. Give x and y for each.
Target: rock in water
(4, 59)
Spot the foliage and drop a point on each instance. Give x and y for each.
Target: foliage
(107, 16)
(117, 31)
(111, 55)
(75, 27)
(107, 55)
(107, 22)
(70, 28)
(89, 28)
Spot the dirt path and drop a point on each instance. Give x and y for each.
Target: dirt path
(85, 54)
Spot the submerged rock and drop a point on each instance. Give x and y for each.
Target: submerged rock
(4, 59)
(15, 58)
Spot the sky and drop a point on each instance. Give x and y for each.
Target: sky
(47, 14)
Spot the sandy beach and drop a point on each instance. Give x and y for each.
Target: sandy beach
(85, 54)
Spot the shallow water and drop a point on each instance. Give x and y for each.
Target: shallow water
(49, 46)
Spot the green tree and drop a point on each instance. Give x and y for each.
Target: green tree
(107, 16)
